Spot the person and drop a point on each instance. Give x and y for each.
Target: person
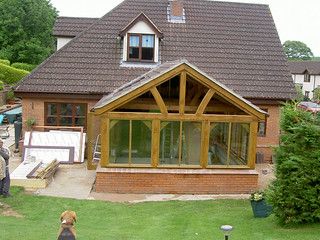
(5, 182)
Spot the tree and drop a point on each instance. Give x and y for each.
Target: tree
(296, 50)
(299, 96)
(295, 192)
(25, 30)
(316, 94)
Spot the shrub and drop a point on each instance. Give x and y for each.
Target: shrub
(10, 75)
(5, 61)
(1, 86)
(295, 194)
(23, 66)
(10, 95)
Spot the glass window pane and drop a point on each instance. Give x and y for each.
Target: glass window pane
(51, 121)
(66, 121)
(239, 143)
(134, 41)
(141, 142)
(79, 121)
(218, 144)
(262, 129)
(169, 143)
(80, 110)
(66, 109)
(52, 109)
(119, 141)
(191, 143)
(147, 53)
(147, 41)
(134, 53)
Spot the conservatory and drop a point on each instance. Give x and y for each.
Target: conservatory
(173, 117)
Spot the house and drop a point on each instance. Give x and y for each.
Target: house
(306, 74)
(175, 96)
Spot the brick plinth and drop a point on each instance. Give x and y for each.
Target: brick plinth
(176, 181)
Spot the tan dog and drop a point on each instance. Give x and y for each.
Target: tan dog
(67, 230)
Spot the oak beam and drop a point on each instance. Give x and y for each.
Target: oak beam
(252, 144)
(104, 130)
(139, 91)
(205, 132)
(224, 93)
(90, 143)
(195, 99)
(155, 143)
(205, 102)
(182, 92)
(178, 117)
(159, 100)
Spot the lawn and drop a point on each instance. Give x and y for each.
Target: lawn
(152, 220)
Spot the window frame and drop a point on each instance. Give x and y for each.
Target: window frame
(264, 134)
(58, 115)
(307, 94)
(140, 47)
(307, 78)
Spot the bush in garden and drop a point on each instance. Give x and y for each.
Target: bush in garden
(10, 75)
(5, 62)
(23, 66)
(295, 194)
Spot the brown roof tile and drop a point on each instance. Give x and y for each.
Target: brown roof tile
(299, 67)
(237, 44)
(71, 26)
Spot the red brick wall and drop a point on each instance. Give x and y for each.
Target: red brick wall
(265, 144)
(234, 182)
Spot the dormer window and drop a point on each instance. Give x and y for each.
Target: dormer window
(141, 39)
(141, 47)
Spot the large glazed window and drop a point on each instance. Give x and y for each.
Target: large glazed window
(65, 114)
(228, 144)
(141, 47)
(130, 142)
(180, 143)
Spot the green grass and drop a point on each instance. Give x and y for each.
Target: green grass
(153, 220)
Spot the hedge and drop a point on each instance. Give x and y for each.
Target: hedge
(10, 75)
(5, 62)
(295, 194)
(23, 66)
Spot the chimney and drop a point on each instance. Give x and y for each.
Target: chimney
(176, 12)
(176, 8)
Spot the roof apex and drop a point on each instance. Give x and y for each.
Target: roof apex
(144, 18)
(156, 73)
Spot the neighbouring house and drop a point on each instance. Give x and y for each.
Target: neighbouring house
(306, 74)
(175, 96)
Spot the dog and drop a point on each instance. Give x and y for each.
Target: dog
(67, 230)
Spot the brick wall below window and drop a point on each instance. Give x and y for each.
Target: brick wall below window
(176, 181)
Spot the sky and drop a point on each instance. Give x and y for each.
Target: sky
(297, 20)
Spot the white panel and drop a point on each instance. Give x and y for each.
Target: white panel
(141, 27)
(24, 169)
(54, 139)
(47, 155)
(62, 41)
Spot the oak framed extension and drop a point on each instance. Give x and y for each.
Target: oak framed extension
(175, 116)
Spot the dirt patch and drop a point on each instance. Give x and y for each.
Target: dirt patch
(6, 210)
